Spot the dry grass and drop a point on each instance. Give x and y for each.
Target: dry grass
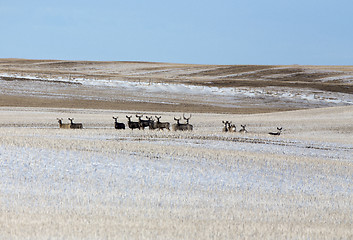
(100, 183)
(299, 78)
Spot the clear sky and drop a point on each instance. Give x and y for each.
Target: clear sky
(318, 32)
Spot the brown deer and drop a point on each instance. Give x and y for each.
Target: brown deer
(279, 130)
(176, 126)
(225, 128)
(228, 126)
(75, 125)
(243, 130)
(132, 125)
(162, 125)
(152, 125)
(118, 125)
(231, 127)
(182, 126)
(63, 125)
(143, 123)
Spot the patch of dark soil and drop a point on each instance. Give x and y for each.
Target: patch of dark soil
(72, 64)
(287, 74)
(16, 62)
(26, 101)
(331, 87)
(228, 70)
(10, 79)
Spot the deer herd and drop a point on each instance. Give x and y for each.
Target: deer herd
(153, 124)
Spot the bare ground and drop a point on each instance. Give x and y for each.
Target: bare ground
(321, 79)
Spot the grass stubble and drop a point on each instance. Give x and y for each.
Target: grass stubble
(100, 183)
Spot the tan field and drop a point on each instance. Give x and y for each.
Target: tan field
(170, 87)
(102, 183)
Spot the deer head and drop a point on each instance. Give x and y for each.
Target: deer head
(177, 120)
(226, 123)
(71, 119)
(187, 119)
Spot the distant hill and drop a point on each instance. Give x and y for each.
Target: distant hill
(326, 80)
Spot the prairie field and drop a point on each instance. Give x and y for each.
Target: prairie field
(167, 87)
(102, 183)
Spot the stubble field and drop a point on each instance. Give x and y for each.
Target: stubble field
(103, 183)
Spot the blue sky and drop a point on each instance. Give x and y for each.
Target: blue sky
(185, 31)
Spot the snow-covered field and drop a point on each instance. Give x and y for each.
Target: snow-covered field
(102, 183)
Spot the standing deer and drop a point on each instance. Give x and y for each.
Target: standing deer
(131, 124)
(152, 125)
(118, 125)
(162, 125)
(63, 125)
(243, 130)
(75, 125)
(279, 130)
(176, 126)
(182, 126)
(143, 123)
